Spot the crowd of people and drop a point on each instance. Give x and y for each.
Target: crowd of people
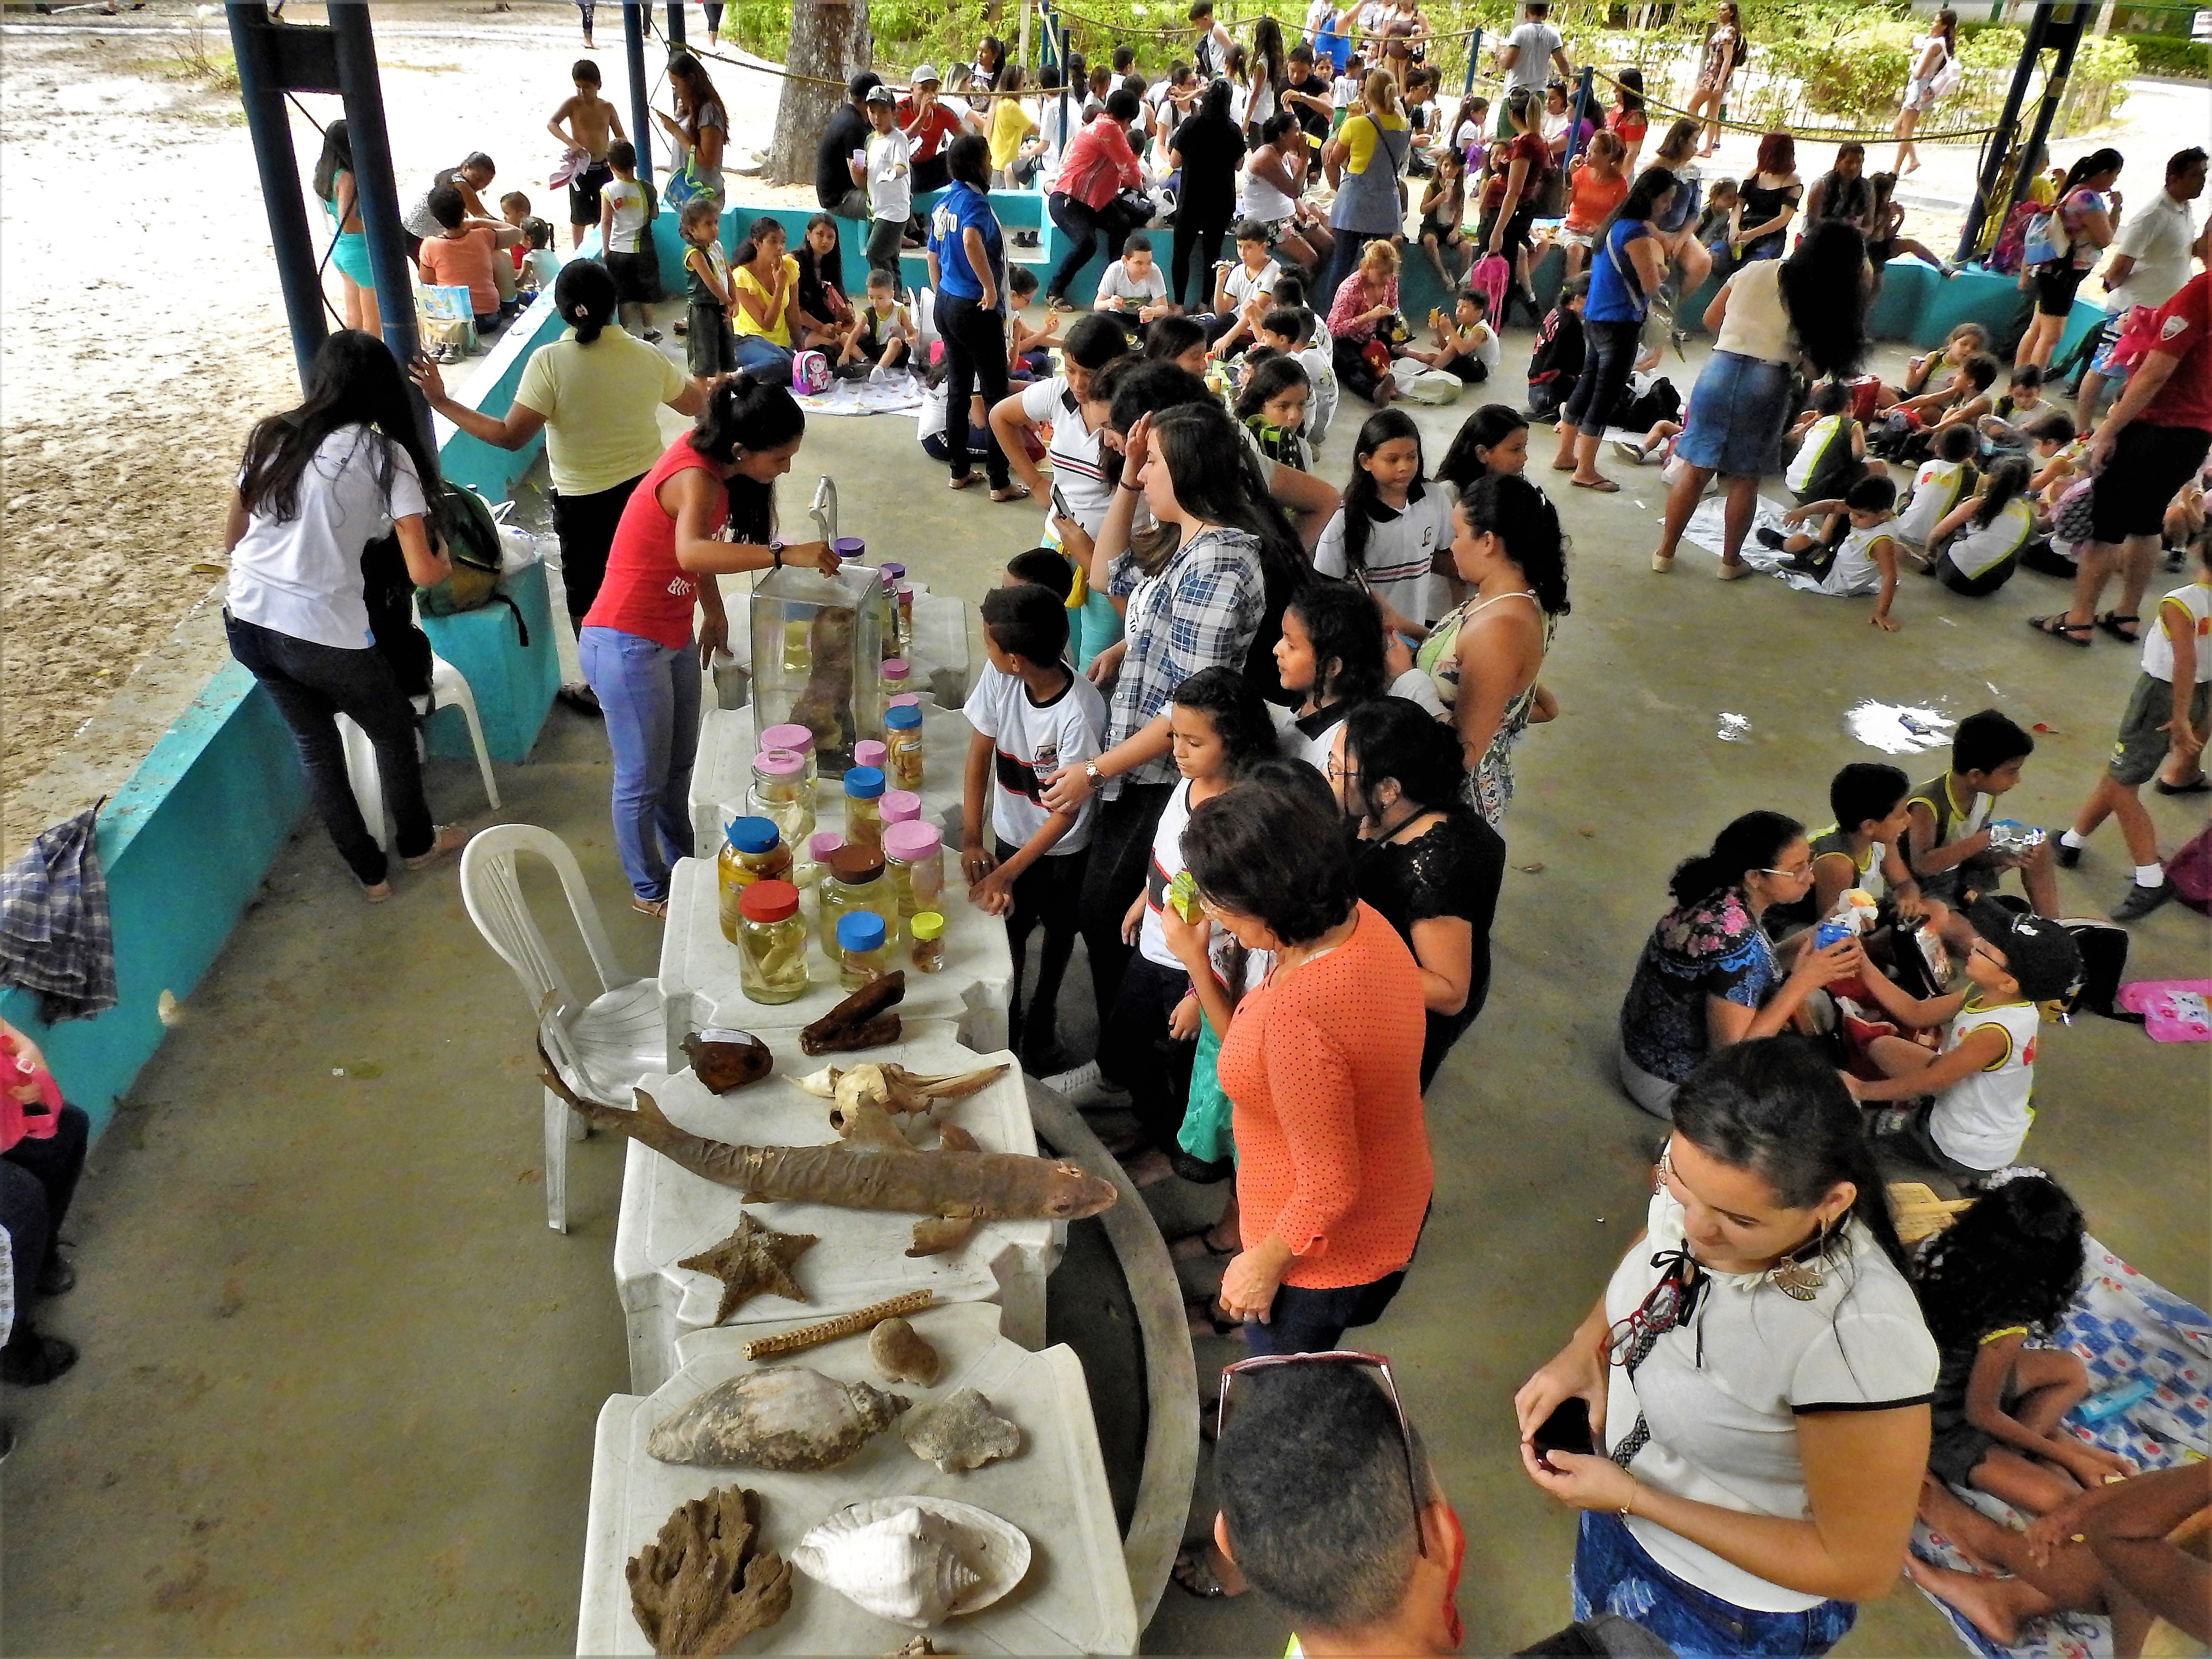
(1248, 724)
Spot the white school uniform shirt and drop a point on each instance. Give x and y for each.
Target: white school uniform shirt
(1936, 490)
(1982, 1119)
(1030, 741)
(1720, 1394)
(1118, 284)
(890, 175)
(1854, 570)
(1165, 866)
(1979, 547)
(1049, 129)
(1400, 553)
(2158, 650)
(302, 577)
(929, 420)
(1242, 285)
(1078, 455)
(1344, 91)
(1814, 450)
(1320, 408)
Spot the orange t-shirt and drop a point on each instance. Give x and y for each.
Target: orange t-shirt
(454, 262)
(1323, 1069)
(1591, 199)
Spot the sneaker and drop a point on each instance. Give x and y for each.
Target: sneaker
(651, 336)
(31, 1361)
(2067, 854)
(1773, 538)
(1629, 451)
(2141, 901)
(59, 1276)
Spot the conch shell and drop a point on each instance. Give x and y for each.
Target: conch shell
(961, 1432)
(915, 1561)
(782, 1417)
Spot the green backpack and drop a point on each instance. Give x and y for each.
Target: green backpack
(471, 538)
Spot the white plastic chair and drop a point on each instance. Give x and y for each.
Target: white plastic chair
(449, 689)
(602, 1045)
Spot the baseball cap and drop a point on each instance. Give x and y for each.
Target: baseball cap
(2038, 952)
(879, 95)
(924, 72)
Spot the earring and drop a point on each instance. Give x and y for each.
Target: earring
(1801, 1279)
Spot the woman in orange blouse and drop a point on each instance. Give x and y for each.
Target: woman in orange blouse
(1322, 1064)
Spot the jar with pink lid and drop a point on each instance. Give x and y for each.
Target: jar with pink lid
(914, 858)
(797, 739)
(782, 794)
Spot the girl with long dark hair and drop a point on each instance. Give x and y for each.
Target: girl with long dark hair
(700, 128)
(1331, 655)
(1392, 525)
(340, 195)
(1936, 50)
(2086, 209)
(320, 483)
(1756, 1376)
(1626, 268)
(1987, 532)
(1208, 149)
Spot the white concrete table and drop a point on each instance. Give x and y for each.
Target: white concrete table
(700, 983)
(668, 1213)
(1075, 1597)
(722, 774)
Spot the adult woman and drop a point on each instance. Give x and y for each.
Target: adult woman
(1626, 271)
(1937, 51)
(1771, 196)
(1207, 148)
(637, 643)
(2088, 211)
(319, 484)
(341, 198)
(1430, 868)
(594, 393)
(1483, 658)
(1760, 1373)
(1718, 57)
(1363, 300)
(1274, 183)
(700, 128)
(1842, 193)
(967, 269)
(1508, 199)
(1363, 162)
(1765, 319)
(1708, 977)
(1097, 167)
(1322, 1065)
(472, 178)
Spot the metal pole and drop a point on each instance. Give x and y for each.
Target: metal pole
(1473, 53)
(1022, 51)
(363, 92)
(1580, 114)
(641, 112)
(2000, 142)
(2065, 34)
(279, 166)
(675, 23)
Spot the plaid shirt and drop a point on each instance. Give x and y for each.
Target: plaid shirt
(1202, 610)
(55, 935)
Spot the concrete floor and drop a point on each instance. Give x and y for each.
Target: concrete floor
(339, 1381)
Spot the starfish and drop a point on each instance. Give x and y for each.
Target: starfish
(750, 1261)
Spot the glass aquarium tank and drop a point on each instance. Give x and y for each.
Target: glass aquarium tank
(818, 649)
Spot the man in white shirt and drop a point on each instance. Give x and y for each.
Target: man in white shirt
(2148, 264)
(1527, 57)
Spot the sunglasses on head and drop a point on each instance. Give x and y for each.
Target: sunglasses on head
(1341, 1357)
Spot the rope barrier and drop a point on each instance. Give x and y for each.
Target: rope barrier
(1821, 135)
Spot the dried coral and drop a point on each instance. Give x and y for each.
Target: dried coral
(703, 1585)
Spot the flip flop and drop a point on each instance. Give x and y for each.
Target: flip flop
(1010, 493)
(2058, 627)
(2110, 624)
(657, 909)
(965, 481)
(1603, 486)
(2197, 788)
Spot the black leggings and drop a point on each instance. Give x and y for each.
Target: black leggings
(1083, 228)
(586, 527)
(1612, 353)
(1155, 1066)
(976, 351)
(1046, 895)
(1206, 239)
(38, 1178)
(1120, 851)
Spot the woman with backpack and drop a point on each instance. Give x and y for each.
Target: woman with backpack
(2062, 247)
(320, 483)
(1936, 73)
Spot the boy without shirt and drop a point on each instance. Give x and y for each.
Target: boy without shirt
(593, 125)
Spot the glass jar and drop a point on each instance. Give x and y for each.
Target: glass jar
(905, 617)
(914, 858)
(813, 860)
(771, 943)
(751, 852)
(854, 882)
(902, 739)
(864, 821)
(864, 949)
(899, 806)
(797, 739)
(928, 953)
(868, 752)
(892, 677)
(782, 793)
(904, 700)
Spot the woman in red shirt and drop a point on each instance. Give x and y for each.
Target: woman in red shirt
(1099, 165)
(636, 642)
(1321, 1063)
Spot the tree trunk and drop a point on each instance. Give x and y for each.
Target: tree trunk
(831, 41)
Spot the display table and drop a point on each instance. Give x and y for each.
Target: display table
(668, 1213)
(1075, 1597)
(514, 684)
(723, 773)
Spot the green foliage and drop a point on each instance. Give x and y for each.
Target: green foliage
(2158, 55)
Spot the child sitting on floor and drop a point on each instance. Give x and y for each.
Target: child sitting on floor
(1854, 552)
(1467, 346)
(880, 334)
(2005, 427)
(1961, 343)
(1948, 843)
(1867, 800)
(1913, 428)
(1830, 447)
(1943, 481)
(1555, 360)
(1029, 350)
(1980, 540)
(1291, 331)
(1177, 340)
(1243, 290)
(1134, 288)
(1273, 403)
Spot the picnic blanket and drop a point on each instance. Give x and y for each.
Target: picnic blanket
(1705, 528)
(2124, 1327)
(895, 394)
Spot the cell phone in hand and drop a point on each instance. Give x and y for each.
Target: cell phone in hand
(1566, 1429)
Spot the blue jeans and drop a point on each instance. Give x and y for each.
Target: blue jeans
(650, 695)
(1614, 1573)
(764, 357)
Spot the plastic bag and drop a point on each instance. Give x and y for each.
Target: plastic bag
(1206, 1135)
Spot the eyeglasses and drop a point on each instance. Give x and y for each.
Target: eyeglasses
(1340, 773)
(1339, 1356)
(1804, 874)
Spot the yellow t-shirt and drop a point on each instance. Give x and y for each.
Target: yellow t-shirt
(1359, 137)
(1009, 125)
(601, 406)
(749, 283)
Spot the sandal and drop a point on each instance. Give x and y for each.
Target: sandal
(1603, 486)
(966, 480)
(657, 909)
(449, 838)
(2110, 624)
(1012, 493)
(2059, 628)
(1206, 1320)
(2198, 787)
(1194, 1576)
(1199, 1247)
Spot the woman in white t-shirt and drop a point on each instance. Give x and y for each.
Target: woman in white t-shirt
(1760, 1373)
(320, 483)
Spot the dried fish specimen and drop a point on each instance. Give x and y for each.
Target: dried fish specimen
(902, 1354)
(862, 1020)
(704, 1584)
(894, 1088)
(960, 1431)
(785, 1416)
(754, 1260)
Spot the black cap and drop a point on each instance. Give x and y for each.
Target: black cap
(2040, 953)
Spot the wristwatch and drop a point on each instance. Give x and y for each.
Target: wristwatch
(1090, 771)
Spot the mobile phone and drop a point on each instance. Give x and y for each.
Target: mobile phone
(1566, 1429)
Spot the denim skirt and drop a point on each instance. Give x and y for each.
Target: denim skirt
(1612, 1573)
(1736, 417)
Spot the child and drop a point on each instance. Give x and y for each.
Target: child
(709, 346)
(1331, 654)
(880, 334)
(1029, 350)
(930, 421)
(1830, 447)
(1948, 844)
(1032, 715)
(824, 313)
(1941, 484)
(1555, 360)
(1657, 444)
(514, 208)
(1987, 533)
(1291, 332)
(541, 266)
(1467, 345)
(1216, 725)
(2166, 715)
(1868, 800)
(1177, 340)
(1243, 290)
(1914, 426)
(1628, 119)
(1966, 340)
(2001, 1275)
(1443, 214)
(1345, 90)
(1271, 403)
(1045, 565)
(885, 167)
(1134, 288)
(764, 292)
(1714, 223)
(1985, 1075)
(461, 255)
(1388, 533)
(1598, 185)
(1856, 551)
(1492, 440)
(625, 221)
(592, 125)
(1470, 134)
(1012, 131)
(2023, 402)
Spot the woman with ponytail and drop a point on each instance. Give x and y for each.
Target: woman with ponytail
(1757, 1377)
(593, 393)
(638, 647)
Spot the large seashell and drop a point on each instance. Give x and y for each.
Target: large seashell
(783, 1417)
(961, 1432)
(915, 1560)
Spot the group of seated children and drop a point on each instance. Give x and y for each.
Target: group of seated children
(756, 311)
